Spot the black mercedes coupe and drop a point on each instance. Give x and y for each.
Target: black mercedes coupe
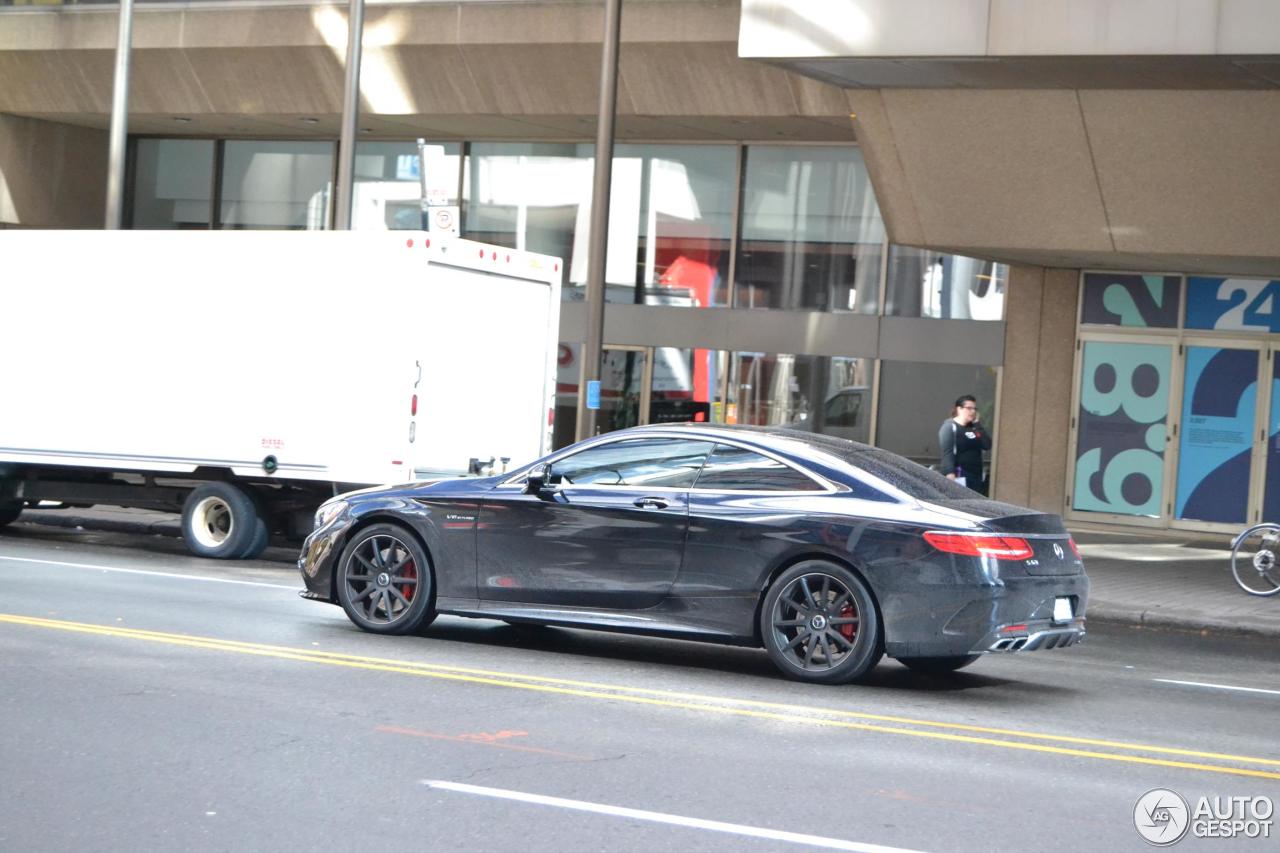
(826, 552)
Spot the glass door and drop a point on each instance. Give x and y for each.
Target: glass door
(1219, 434)
(1122, 429)
(626, 375)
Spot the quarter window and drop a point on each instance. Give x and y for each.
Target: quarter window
(655, 462)
(734, 468)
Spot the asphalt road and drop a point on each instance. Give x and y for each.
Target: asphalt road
(150, 701)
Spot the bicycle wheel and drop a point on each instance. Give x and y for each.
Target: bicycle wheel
(1255, 559)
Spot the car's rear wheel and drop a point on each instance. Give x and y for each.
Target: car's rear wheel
(384, 581)
(938, 665)
(819, 624)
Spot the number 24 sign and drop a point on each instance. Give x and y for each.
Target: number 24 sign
(1240, 304)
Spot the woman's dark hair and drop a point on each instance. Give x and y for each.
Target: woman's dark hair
(960, 401)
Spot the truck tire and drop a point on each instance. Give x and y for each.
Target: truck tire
(221, 521)
(9, 512)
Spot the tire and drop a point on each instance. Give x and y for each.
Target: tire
(1255, 560)
(937, 666)
(384, 581)
(820, 625)
(9, 512)
(221, 521)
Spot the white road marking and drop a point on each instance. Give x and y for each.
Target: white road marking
(659, 817)
(143, 572)
(1217, 686)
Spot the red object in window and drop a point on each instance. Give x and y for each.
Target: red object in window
(976, 545)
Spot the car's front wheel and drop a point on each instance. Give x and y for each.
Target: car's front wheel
(819, 624)
(384, 581)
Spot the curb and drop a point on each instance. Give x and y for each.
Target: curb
(1190, 623)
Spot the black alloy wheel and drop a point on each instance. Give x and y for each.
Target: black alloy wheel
(384, 581)
(819, 624)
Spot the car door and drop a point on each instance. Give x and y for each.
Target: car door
(608, 532)
(746, 511)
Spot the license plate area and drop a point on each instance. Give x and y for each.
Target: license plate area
(1063, 611)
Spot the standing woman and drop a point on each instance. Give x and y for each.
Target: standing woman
(961, 439)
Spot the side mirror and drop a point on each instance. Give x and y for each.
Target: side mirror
(536, 479)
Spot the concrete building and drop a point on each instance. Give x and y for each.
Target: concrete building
(834, 214)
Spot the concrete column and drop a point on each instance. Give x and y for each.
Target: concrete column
(51, 175)
(1035, 397)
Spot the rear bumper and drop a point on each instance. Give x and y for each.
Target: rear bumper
(1016, 614)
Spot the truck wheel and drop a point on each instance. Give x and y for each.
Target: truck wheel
(221, 521)
(9, 512)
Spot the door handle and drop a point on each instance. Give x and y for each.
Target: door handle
(651, 503)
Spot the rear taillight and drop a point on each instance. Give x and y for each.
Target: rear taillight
(1074, 549)
(976, 545)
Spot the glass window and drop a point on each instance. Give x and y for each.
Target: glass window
(173, 183)
(1143, 301)
(668, 463)
(822, 394)
(812, 236)
(1233, 304)
(683, 383)
(670, 215)
(733, 468)
(387, 191)
(280, 185)
(916, 397)
(930, 284)
(1123, 428)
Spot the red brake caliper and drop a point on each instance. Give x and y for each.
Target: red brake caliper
(848, 629)
(407, 589)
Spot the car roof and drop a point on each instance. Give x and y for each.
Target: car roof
(829, 453)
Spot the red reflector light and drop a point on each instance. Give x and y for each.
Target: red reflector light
(1014, 629)
(1074, 550)
(413, 405)
(551, 417)
(974, 545)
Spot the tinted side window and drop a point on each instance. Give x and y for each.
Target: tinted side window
(667, 463)
(743, 470)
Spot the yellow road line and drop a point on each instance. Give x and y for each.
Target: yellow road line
(829, 718)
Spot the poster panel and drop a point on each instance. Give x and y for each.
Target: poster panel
(1120, 443)
(1138, 301)
(1233, 304)
(1219, 399)
(1271, 494)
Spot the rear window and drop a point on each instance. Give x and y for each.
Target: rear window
(737, 469)
(915, 480)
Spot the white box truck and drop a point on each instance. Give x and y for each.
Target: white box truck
(242, 377)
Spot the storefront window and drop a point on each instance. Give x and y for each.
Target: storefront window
(930, 284)
(916, 397)
(173, 183)
(1123, 428)
(1123, 299)
(812, 235)
(670, 215)
(387, 191)
(277, 185)
(829, 395)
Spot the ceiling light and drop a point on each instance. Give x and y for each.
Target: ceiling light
(309, 120)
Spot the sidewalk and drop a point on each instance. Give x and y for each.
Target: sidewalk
(1164, 579)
